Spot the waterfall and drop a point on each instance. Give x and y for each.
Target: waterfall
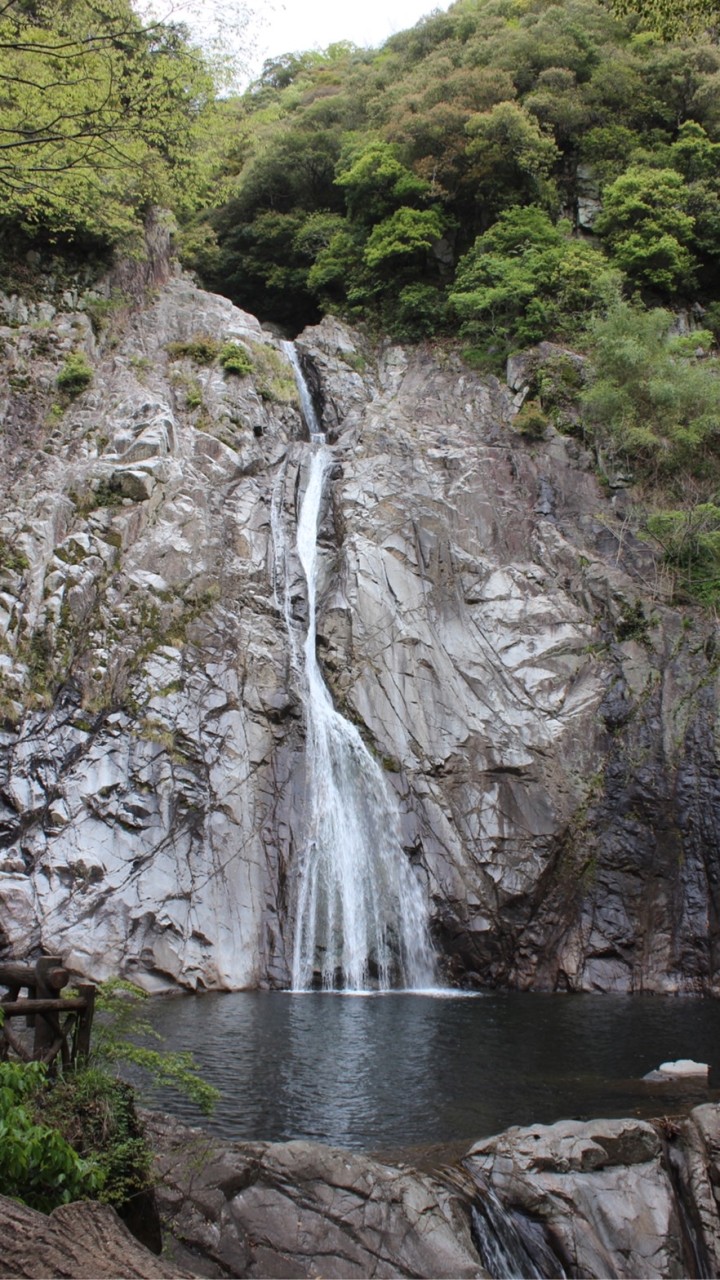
(361, 915)
(317, 435)
(512, 1245)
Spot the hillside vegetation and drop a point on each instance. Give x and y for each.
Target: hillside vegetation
(508, 172)
(441, 180)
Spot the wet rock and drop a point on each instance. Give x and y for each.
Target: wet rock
(604, 1191)
(550, 733)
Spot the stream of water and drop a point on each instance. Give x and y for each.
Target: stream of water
(361, 919)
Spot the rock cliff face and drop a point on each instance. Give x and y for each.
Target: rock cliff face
(506, 646)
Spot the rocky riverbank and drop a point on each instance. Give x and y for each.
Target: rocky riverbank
(609, 1198)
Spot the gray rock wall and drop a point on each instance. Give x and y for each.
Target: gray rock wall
(506, 646)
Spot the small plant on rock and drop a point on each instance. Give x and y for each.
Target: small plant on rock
(37, 1164)
(75, 375)
(531, 422)
(235, 359)
(201, 348)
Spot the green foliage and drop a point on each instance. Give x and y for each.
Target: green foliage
(376, 182)
(419, 312)
(525, 280)
(650, 398)
(560, 380)
(118, 1033)
(648, 229)
(512, 157)
(670, 19)
(235, 359)
(530, 421)
(95, 1112)
(690, 539)
(343, 162)
(200, 348)
(274, 377)
(406, 234)
(193, 394)
(99, 117)
(14, 560)
(37, 1164)
(75, 375)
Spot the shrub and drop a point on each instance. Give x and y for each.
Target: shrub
(530, 421)
(235, 359)
(201, 348)
(75, 374)
(120, 1025)
(96, 1112)
(526, 280)
(37, 1164)
(649, 399)
(274, 378)
(690, 539)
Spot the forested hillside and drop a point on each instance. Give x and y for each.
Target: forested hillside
(363, 180)
(503, 174)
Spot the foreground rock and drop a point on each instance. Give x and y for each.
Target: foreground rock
(608, 1198)
(299, 1209)
(603, 1199)
(612, 1196)
(82, 1241)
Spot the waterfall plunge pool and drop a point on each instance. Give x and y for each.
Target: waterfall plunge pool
(394, 1071)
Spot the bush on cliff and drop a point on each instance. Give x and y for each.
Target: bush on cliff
(37, 1163)
(526, 280)
(654, 398)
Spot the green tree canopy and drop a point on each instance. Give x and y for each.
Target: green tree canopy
(97, 115)
(651, 398)
(646, 225)
(375, 181)
(526, 279)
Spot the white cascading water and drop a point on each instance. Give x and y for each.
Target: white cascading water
(317, 435)
(362, 920)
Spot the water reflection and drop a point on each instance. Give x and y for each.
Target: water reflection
(403, 1069)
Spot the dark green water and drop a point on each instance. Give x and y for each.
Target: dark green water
(374, 1072)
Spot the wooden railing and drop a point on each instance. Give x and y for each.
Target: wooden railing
(61, 1027)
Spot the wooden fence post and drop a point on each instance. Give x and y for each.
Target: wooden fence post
(47, 1025)
(81, 1045)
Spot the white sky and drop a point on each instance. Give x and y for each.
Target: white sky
(260, 29)
(308, 24)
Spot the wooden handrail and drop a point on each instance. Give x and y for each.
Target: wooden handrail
(26, 975)
(11, 1008)
(43, 1007)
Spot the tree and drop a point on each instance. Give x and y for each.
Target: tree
(97, 115)
(376, 182)
(647, 228)
(526, 280)
(672, 19)
(511, 158)
(651, 399)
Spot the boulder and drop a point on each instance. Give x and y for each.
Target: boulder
(81, 1241)
(301, 1209)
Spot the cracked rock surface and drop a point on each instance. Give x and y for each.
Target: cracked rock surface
(301, 1209)
(546, 719)
(608, 1198)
